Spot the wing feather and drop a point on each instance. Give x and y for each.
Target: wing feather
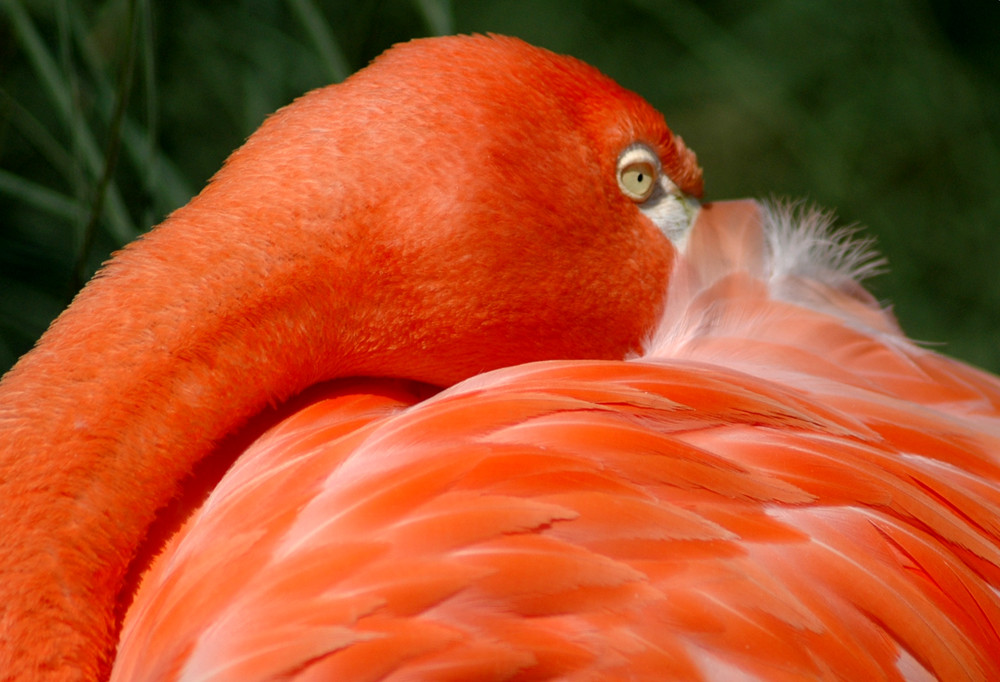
(784, 488)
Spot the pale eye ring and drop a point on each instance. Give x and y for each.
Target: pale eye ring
(638, 172)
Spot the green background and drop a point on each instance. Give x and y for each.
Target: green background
(886, 110)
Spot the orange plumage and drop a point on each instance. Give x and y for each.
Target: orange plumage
(781, 487)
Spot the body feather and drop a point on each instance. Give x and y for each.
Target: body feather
(779, 489)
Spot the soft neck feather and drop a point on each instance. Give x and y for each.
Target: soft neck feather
(758, 256)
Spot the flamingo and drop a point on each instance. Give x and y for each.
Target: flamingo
(494, 398)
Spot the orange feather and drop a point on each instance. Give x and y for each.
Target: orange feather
(776, 484)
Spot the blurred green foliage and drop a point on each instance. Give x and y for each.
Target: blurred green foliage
(113, 112)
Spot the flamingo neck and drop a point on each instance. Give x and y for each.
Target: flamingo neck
(131, 387)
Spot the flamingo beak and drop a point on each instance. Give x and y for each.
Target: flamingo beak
(672, 211)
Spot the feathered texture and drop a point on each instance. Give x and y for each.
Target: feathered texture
(783, 488)
(793, 251)
(804, 241)
(778, 490)
(455, 207)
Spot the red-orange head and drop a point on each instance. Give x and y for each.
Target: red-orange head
(463, 203)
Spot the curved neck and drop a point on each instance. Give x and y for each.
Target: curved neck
(113, 408)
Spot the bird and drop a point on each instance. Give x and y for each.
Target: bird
(448, 374)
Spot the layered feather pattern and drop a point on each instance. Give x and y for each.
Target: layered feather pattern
(782, 488)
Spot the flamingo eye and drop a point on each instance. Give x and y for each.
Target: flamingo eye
(638, 171)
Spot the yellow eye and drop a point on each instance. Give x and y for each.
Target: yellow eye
(638, 169)
(636, 180)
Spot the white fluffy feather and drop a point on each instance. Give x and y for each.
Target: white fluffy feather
(803, 241)
(795, 255)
